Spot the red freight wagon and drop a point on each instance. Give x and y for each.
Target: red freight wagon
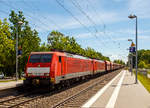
(111, 65)
(117, 66)
(107, 66)
(114, 66)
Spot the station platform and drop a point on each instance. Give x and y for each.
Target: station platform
(10, 84)
(120, 92)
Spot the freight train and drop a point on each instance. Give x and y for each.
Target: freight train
(52, 68)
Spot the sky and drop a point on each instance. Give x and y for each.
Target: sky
(100, 24)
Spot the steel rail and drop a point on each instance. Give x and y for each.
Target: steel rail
(80, 92)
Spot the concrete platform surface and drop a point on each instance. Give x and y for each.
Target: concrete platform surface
(11, 84)
(120, 92)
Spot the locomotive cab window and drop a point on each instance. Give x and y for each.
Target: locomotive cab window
(60, 59)
(40, 58)
(45, 58)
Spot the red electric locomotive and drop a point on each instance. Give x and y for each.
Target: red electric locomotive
(99, 66)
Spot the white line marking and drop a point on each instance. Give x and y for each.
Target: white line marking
(112, 100)
(98, 94)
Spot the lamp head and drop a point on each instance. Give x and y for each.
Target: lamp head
(132, 16)
(129, 39)
(20, 22)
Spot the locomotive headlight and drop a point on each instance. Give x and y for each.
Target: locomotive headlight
(29, 74)
(46, 74)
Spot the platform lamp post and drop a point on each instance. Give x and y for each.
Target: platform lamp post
(132, 17)
(18, 24)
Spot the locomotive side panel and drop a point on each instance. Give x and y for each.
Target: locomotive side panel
(99, 66)
(77, 67)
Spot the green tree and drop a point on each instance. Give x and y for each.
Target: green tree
(44, 47)
(144, 57)
(142, 64)
(6, 47)
(55, 40)
(59, 41)
(119, 62)
(28, 38)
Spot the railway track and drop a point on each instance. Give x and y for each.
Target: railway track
(9, 91)
(20, 99)
(73, 96)
(13, 102)
(75, 100)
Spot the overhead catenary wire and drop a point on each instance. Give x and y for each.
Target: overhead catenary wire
(58, 27)
(42, 16)
(77, 5)
(104, 25)
(84, 26)
(33, 24)
(100, 19)
(68, 11)
(39, 18)
(75, 18)
(44, 25)
(37, 10)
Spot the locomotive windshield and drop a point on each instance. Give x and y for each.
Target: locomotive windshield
(40, 58)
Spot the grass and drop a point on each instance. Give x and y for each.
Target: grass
(10, 80)
(145, 81)
(126, 68)
(7, 80)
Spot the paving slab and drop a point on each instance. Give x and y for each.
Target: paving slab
(122, 92)
(132, 95)
(10, 84)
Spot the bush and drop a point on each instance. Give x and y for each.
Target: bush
(148, 66)
(142, 64)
